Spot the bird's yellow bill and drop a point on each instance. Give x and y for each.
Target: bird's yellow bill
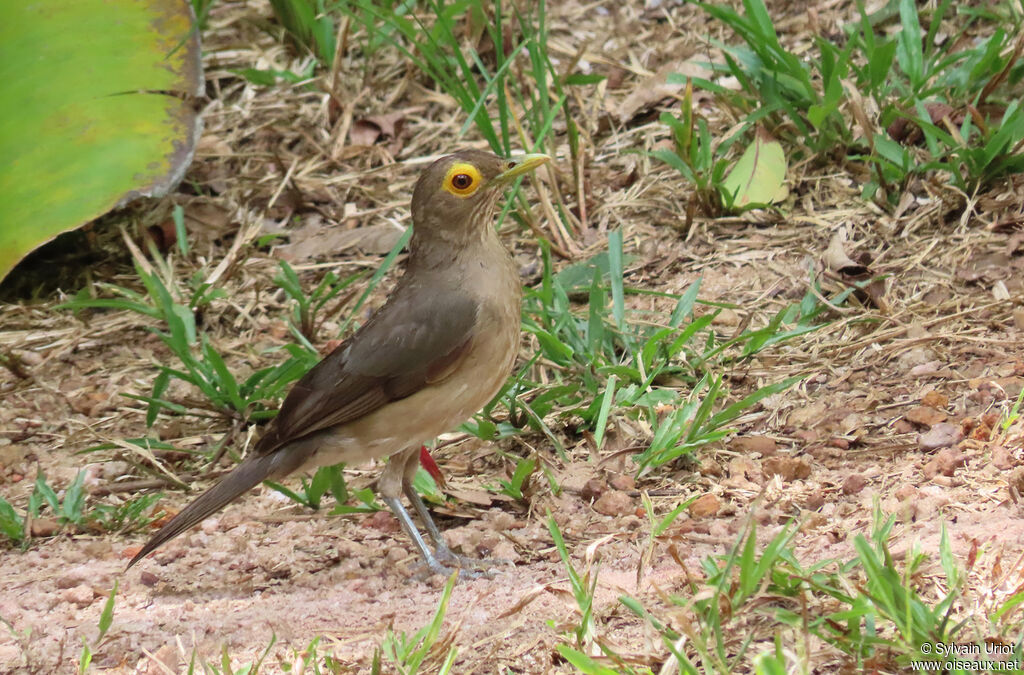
(523, 165)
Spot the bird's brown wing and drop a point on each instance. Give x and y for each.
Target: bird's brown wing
(416, 339)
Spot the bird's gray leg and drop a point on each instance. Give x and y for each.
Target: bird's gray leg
(412, 464)
(410, 529)
(441, 550)
(390, 487)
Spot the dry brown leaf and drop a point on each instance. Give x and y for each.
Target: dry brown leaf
(987, 267)
(925, 416)
(941, 435)
(935, 399)
(705, 505)
(478, 497)
(852, 272)
(853, 484)
(526, 598)
(809, 415)
(315, 239)
(369, 130)
(750, 444)
(655, 88)
(945, 462)
(905, 131)
(836, 258)
(789, 468)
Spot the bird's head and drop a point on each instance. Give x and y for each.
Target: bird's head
(454, 198)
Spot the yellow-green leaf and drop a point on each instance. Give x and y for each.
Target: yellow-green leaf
(759, 177)
(96, 108)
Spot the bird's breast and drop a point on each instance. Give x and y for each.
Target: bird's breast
(443, 405)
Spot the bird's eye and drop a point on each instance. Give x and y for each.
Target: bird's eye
(462, 179)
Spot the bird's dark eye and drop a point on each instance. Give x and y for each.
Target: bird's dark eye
(461, 181)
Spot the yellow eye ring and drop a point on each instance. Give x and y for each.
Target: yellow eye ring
(462, 179)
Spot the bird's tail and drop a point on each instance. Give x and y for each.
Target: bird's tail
(246, 476)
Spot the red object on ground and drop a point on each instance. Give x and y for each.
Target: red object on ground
(428, 463)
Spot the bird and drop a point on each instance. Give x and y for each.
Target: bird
(439, 349)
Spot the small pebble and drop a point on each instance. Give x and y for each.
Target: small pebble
(80, 596)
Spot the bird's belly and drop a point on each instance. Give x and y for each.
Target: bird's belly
(429, 412)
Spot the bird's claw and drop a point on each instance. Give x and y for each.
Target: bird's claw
(445, 562)
(445, 554)
(432, 567)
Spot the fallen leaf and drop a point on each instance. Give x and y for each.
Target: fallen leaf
(44, 527)
(209, 220)
(905, 492)
(369, 130)
(623, 482)
(593, 489)
(807, 416)
(925, 416)
(164, 235)
(710, 467)
(704, 506)
(1003, 459)
(853, 484)
(478, 497)
(935, 399)
(653, 89)
(941, 435)
(746, 468)
(814, 501)
(383, 521)
(788, 468)
(930, 368)
(750, 444)
(988, 267)
(836, 258)
(315, 238)
(759, 177)
(1015, 483)
(812, 520)
(853, 272)
(906, 131)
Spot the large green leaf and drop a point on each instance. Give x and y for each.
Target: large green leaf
(97, 107)
(759, 177)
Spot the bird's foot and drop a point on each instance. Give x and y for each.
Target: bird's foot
(446, 555)
(431, 566)
(445, 562)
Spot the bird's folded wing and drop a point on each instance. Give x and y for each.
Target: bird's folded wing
(414, 341)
